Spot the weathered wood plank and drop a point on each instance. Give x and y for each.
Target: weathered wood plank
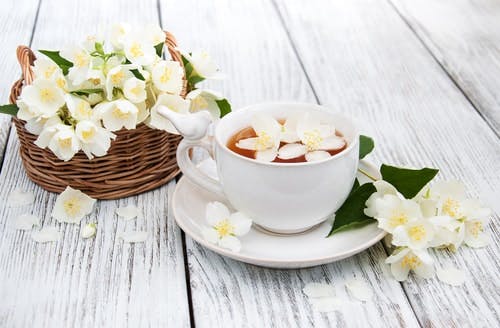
(250, 44)
(464, 36)
(102, 281)
(363, 59)
(16, 23)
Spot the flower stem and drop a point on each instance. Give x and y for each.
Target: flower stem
(367, 175)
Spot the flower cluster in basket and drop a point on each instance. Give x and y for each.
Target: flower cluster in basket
(84, 93)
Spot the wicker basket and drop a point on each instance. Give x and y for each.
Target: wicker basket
(138, 160)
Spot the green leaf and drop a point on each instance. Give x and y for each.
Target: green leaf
(188, 67)
(159, 49)
(224, 106)
(354, 225)
(86, 92)
(10, 109)
(137, 74)
(99, 48)
(407, 181)
(366, 146)
(354, 186)
(351, 213)
(195, 79)
(63, 63)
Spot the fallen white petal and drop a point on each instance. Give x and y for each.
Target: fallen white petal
(134, 236)
(326, 304)
(315, 289)
(26, 222)
(359, 289)
(20, 198)
(46, 234)
(451, 276)
(89, 230)
(292, 150)
(127, 212)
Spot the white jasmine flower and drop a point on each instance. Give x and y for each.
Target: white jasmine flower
(64, 143)
(35, 125)
(135, 90)
(25, 112)
(167, 76)
(139, 51)
(173, 102)
(316, 138)
(72, 205)
(81, 60)
(289, 128)
(46, 69)
(94, 139)
(393, 212)
(116, 79)
(154, 34)
(225, 227)
(383, 188)
(268, 138)
(89, 230)
(41, 98)
(404, 260)
(451, 276)
(128, 212)
(26, 222)
(142, 112)
(90, 41)
(133, 236)
(315, 289)
(448, 231)
(79, 108)
(359, 289)
(96, 78)
(118, 114)
(203, 65)
(50, 127)
(415, 235)
(118, 34)
(46, 234)
(475, 234)
(19, 197)
(205, 100)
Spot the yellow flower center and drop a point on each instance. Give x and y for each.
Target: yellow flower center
(61, 82)
(81, 60)
(398, 218)
(83, 111)
(417, 232)
(72, 206)
(95, 81)
(136, 90)
(263, 142)
(451, 207)
(476, 228)
(136, 50)
(117, 113)
(312, 139)
(224, 228)
(411, 261)
(199, 103)
(165, 77)
(49, 71)
(88, 134)
(64, 142)
(117, 78)
(47, 95)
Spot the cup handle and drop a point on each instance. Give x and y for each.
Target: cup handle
(191, 171)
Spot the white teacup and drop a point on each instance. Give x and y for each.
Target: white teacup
(280, 197)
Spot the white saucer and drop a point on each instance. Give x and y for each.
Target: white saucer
(296, 251)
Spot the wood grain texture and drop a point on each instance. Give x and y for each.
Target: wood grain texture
(464, 36)
(364, 60)
(16, 23)
(249, 42)
(102, 281)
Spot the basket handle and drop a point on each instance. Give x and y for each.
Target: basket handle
(26, 57)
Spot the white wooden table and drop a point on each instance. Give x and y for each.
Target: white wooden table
(424, 77)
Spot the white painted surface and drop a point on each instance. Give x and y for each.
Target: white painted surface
(361, 58)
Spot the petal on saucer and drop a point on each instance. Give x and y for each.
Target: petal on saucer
(210, 235)
(241, 223)
(292, 150)
(267, 155)
(216, 211)
(317, 155)
(231, 243)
